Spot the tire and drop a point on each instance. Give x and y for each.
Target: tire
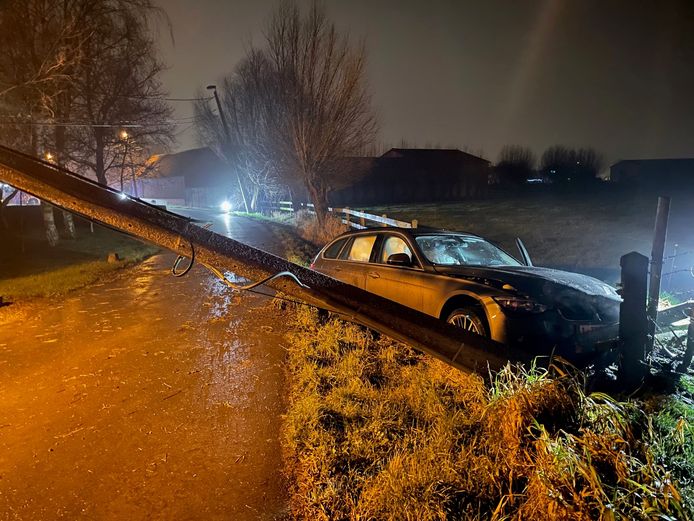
(468, 319)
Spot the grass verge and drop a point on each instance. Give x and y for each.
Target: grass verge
(375, 430)
(42, 271)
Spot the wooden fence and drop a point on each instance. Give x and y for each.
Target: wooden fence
(354, 218)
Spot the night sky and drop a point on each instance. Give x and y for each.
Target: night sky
(618, 76)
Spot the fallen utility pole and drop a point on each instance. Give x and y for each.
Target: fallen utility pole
(454, 346)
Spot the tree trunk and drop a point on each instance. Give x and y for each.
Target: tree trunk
(319, 197)
(4, 202)
(254, 198)
(49, 223)
(99, 163)
(60, 154)
(69, 224)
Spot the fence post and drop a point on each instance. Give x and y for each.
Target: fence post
(415, 223)
(633, 321)
(384, 224)
(689, 351)
(362, 222)
(347, 216)
(659, 234)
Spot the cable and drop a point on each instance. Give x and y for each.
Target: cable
(179, 259)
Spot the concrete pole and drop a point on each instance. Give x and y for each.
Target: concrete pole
(227, 134)
(452, 345)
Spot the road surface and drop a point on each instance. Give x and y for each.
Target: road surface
(145, 397)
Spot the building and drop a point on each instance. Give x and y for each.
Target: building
(410, 175)
(648, 172)
(196, 177)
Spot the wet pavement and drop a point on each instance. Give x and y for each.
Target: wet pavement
(145, 397)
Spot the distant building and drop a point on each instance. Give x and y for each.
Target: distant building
(648, 172)
(196, 177)
(407, 175)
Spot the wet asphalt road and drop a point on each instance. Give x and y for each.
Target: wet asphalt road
(145, 397)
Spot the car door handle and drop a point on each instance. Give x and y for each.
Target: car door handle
(337, 268)
(374, 275)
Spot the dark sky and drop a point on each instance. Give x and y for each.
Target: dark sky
(618, 76)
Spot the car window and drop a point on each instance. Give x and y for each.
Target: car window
(332, 251)
(456, 250)
(360, 250)
(391, 245)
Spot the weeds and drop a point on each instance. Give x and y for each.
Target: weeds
(310, 230)
(375, 430)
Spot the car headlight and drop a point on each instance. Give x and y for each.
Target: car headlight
(520, 305)
(225, 206)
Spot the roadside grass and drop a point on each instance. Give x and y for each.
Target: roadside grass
(42, 271)
(375, 430)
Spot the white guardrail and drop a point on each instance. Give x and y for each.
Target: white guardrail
(353, 218)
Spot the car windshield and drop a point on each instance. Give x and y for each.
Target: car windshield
(463, 250)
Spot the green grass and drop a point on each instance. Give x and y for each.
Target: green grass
(375, 430)
(41, 271)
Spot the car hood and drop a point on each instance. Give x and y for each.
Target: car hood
(532, 281)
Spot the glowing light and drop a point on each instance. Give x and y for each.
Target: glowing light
(225, 206)
(49, 156)
(122, 195)
(123, 134)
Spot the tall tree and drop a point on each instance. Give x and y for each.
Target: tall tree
(325, 111)
(516, 164)
(116, 86)
(248, 101)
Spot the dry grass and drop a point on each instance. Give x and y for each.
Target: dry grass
(310, 230)
(375, 430)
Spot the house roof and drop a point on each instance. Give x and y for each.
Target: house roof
(680, 161)
(198, 166)
(433, 154)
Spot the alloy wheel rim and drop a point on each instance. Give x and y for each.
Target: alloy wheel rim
(465, 322)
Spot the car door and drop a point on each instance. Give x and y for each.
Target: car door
(353, 262)
(404, 284)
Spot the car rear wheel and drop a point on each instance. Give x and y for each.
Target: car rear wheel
(468, 319)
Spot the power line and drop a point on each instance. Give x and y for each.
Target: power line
(167, 99)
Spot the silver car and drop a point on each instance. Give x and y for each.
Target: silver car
(473, 284)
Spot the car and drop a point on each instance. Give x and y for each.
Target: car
(471, 283)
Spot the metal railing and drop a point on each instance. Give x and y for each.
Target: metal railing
(353, 218)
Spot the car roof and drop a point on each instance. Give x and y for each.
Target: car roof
(412, 232)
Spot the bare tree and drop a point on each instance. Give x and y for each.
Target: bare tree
(116, 88)
(567, 165)
(250, 107)
(325, 112)
(46, 72)
(516, 164)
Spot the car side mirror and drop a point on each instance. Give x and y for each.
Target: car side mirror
(399, 259)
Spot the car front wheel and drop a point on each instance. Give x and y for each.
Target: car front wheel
(468, 319)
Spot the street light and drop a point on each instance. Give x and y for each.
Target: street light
(49, 157)
(227, 135)
(124, 134)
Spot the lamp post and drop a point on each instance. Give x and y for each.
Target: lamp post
(124, 139)
(227, 135)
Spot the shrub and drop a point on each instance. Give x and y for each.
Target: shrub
(312, 231)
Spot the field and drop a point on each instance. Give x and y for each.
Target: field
(575, 231)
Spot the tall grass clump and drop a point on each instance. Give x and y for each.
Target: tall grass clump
(375, 430)
(310, 230)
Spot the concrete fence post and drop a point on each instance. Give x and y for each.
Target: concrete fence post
(633, 321)
(415, 223)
